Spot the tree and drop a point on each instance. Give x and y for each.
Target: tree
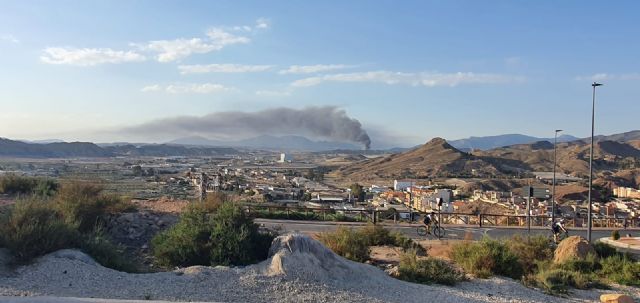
(137, 170)
(357, 192)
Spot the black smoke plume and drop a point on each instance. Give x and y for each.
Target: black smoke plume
(327, 122)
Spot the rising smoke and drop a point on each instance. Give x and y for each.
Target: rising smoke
(327, 122)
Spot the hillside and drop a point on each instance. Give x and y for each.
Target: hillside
(51, 150)
(490, 142)
(435, 158)
(12, 148)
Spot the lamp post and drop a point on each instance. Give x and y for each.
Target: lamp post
(553, 191)
(593, 110)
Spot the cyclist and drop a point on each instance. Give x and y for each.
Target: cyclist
(556, 228)
(429, 219)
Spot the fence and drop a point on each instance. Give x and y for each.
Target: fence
(481, 220)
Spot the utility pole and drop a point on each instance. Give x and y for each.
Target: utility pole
(553, 191)
(593, 115)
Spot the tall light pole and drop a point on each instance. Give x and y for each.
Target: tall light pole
(553, 190)
(593, 115)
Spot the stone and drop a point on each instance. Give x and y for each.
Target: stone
(574, 247)
(616, 298)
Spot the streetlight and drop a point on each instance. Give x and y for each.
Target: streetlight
(553, 191)
(593, 110)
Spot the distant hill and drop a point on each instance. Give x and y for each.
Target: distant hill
(12, 148)
(572, 157)
(280, 143)
(490, 142)
(51, 150)
(622, 137)
(435, 158)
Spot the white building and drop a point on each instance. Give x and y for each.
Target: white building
(401, 185)
(284, 158)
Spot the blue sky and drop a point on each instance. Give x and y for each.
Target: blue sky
(408, 71)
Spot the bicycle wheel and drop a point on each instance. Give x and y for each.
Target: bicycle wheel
(439, 232)
(422, 231)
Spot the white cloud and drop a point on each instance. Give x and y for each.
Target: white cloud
(429, 79)
(9, 38)
(197, 88)
(273, 93)
(222, 68)
(88, 56)
(263, 23)
(151, 88)
(609, 77)
(310, 69)
(172, 50)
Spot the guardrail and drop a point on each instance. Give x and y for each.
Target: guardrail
(370, 215)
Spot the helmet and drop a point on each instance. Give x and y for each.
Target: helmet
(561, 220)
(433, 212)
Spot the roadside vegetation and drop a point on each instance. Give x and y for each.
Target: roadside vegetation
(427, 270)
(69, 217)
(530, 260)
(414, 265)
(310, 215)
(354, 244)
(213, 233)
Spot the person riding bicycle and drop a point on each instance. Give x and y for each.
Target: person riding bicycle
(428, 220)
(558, 227)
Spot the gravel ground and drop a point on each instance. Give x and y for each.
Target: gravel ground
(300, 270)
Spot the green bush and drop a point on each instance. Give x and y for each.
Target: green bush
(530, 251)
(13, 185)
(604, 250)
(354, 244)
(427, 271)
(226, 237)
(33, 228)
(615, 235)
(588, 265)
(621, 269)
(558, 281)
(348, 243)
(98, 246)
(486, 258)
(85, 205)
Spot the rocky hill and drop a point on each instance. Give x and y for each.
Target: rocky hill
(435, 158)
(573, 157)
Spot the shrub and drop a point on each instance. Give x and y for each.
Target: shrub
(354, 244)
(226, 237)
(85, 205)
(615, 235)
(427, 271)
(486, 258)
(621, 269)
(558, 281)
(588, 265)
(530, 250)
(346, 242)
(13, 184)
(33, 228)
(98, 246)
(604, 250)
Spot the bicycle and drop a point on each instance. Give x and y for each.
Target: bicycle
(561, 236)
(436, 231)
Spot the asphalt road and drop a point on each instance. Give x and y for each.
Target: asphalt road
(452, 231)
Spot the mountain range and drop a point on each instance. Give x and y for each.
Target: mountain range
(490, 142)
(437, 158)
(12, 148)
(278, 143)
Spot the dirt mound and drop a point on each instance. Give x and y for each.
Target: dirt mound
(297, 256)
(574, 247)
